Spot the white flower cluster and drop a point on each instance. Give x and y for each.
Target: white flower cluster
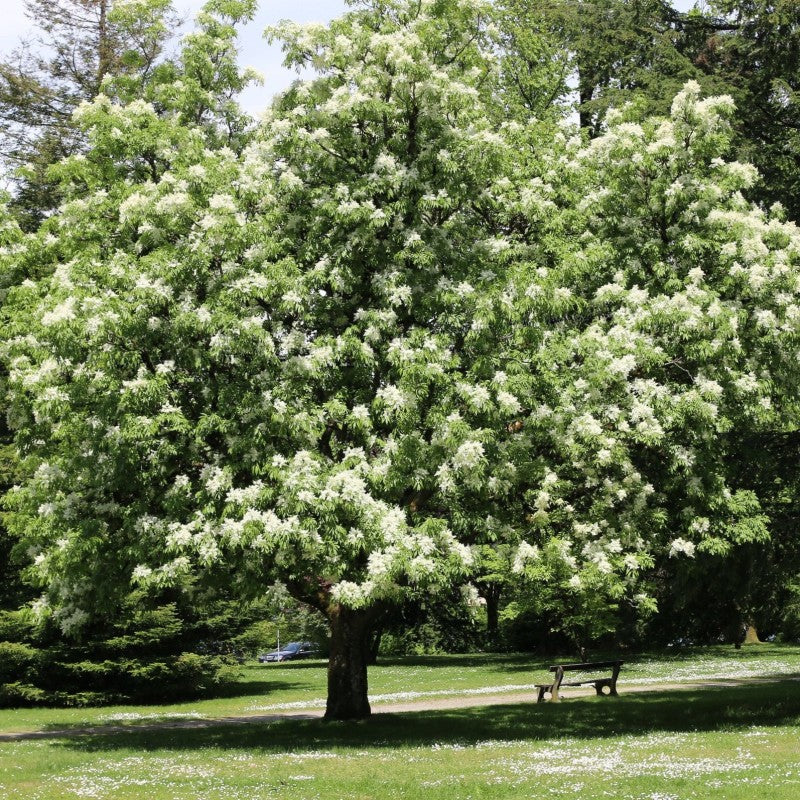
(629, 328)
(525, 552)
(681, 546)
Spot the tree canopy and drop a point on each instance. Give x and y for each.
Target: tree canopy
(395, 324)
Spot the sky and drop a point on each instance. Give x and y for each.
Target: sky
(254, 51)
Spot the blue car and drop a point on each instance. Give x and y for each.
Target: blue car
(290, 652)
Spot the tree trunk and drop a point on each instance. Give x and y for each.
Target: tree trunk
(491, 593)
(374, 646)
(747, 635)
(104, 47)
(347, 667)
(585, 118)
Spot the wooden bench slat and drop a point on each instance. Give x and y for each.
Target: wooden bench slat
(586, 667)
(587, 681)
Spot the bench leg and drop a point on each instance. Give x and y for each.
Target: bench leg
(551, 690)
(600, 685)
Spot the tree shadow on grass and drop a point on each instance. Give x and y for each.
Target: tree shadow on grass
(249, 687)
(508, 662)
(151, 708)
(699, 710)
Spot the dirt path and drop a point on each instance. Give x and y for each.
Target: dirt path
(423, 704)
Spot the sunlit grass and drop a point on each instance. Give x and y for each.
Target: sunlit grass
(731, 744)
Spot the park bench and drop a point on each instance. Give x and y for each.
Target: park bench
(599, 683)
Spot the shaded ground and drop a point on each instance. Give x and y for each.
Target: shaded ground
(379, 709)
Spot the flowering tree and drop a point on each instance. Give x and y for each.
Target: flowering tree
(386, 329)
(677, 333)
(268, 366)
(186, 109)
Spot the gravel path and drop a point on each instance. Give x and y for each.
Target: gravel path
(425, 704)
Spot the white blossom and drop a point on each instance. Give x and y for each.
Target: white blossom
(678, 546)
(469, 456)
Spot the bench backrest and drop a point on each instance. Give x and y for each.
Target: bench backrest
(587, 667)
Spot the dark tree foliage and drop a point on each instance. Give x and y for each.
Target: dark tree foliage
(753, 49)
(713, 596)
(600, 53)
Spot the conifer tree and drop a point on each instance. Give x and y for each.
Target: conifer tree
(77, 44)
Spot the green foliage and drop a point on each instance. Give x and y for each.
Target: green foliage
(80, 44)
(440, 624)
(63, 675)
(144, 664)
(643, 51)
(758, 60)
(759, 574)
(16, 695)
(790, 627)
(395, 327)
(276, 615)
(615, 50)
(16, 660)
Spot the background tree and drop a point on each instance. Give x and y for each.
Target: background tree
(79, 43)
(758, 576)
(601, 53)
(758, 59)
(492, 579)
(676, 334)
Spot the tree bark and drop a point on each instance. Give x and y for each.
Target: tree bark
(104, 47)
(347, 667)
(374, 646)
(491, 593)
(585, 91)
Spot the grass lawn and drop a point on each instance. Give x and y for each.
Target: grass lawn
(731, 743)
(265, 688)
